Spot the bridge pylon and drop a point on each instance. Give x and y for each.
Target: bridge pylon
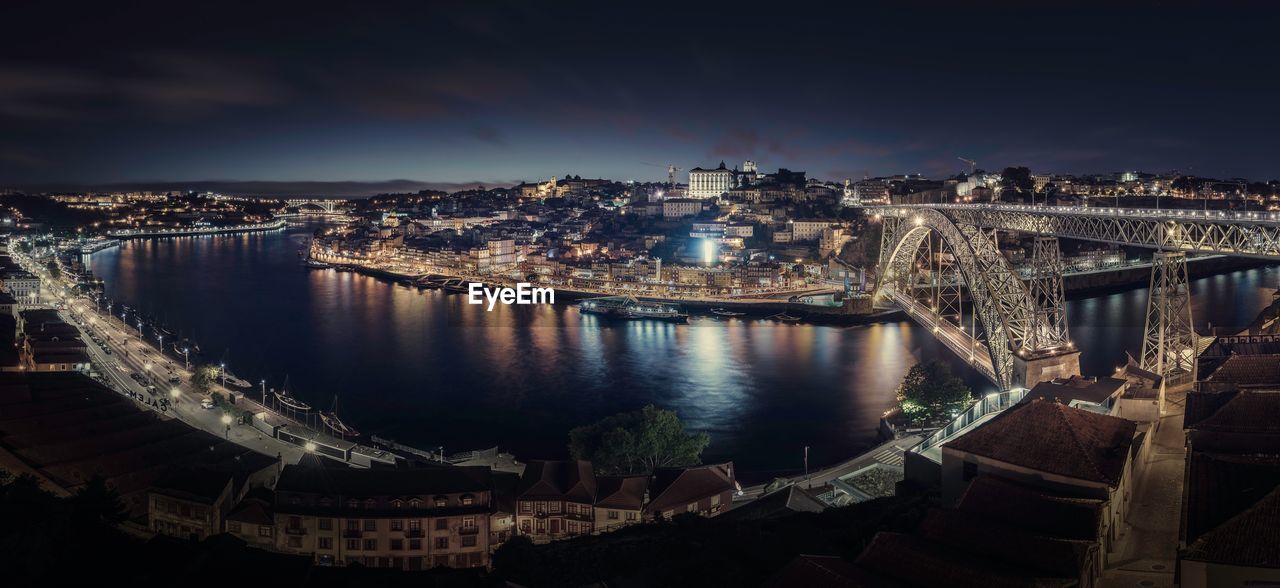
(1050, 353)
(1169, 339)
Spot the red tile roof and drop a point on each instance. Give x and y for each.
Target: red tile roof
(558, 480)
(621, 492)
(1249, 370)
(1251, 538)
(1051, 437)
(1012, 503)
(673, 487)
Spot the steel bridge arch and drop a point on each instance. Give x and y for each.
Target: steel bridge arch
(1000, 299)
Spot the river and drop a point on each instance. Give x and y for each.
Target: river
(427, 369)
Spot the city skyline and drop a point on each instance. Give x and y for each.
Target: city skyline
(447, 97)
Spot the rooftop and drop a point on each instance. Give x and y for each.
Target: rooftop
(1052, 437)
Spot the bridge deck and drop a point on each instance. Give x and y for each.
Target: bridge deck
(962, 343)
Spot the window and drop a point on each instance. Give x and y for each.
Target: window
(397, 544)
(613, 515)
(468, 500)
(441, 502)
(415, 503)
(525, 527)
(540, 507)
(442, 542)
(415, 544)
(442, 524)
(970, 470)
(233, 526)
(542, 525)
(631, 516)
(555, 507)
(526, 507)
(397, 503)
(353, 525)
(325, 524)
(370, 544)
(371, 524)
(692, 506)
(326, 543)
(353, 545)
(264, 531)
(468, 522)
(353, 504)
(397, 525)
(295, 522)
(715, 500)
(468, 540)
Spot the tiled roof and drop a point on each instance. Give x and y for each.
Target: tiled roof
(1220, 486)
(621, 492)
(1012, 503)
(783, 502)
(975, 534)
(678, 486)
(1249, 411)
(1251, 538)
(1095, 390)
(916, 561)
(818, 570)
(558, 480)
(1249, 371)
(1051, 437)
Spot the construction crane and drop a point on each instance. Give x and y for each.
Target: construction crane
(972, 164)
(671, 172)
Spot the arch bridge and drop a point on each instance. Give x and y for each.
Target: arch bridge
(1016, 333)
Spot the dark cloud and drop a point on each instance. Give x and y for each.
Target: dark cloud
(145, 89)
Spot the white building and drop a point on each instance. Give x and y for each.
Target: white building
(680, 207)
(710, 183)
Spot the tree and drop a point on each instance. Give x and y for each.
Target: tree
(1017, 179)
(204, 378)
(97, 503)
(930, 394)
(637, 442)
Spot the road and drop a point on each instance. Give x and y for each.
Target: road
(131, 353)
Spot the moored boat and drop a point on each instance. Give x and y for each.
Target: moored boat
(629, 307)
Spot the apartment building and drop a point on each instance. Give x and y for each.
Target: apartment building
(404, 518)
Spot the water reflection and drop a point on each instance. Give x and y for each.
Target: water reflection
(428, 369)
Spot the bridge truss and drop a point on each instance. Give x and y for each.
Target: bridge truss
(1245, 234)
(925, 260)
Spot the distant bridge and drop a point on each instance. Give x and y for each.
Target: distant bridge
(930, 253)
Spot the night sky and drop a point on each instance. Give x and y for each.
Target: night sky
(446, 94)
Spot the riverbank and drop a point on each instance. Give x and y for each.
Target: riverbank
(196, 231)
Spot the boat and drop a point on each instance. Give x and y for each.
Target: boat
(335, 424)
(723, 312)
(629, 307)
(343, 268)
(229, 378)
(284, 399)
(784, 317)
(313, 264)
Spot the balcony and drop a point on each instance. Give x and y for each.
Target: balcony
(295, 530)
(469, 531)
(413, 533)
(352, 533)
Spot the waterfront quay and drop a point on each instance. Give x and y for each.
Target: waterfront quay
(139, 233)
(165, 385)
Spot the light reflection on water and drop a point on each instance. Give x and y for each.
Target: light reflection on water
(427, 369)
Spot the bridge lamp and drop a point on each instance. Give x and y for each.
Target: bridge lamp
(311, 447)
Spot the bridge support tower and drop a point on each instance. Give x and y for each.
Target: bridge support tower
(1051, 354)
(1169, 340)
